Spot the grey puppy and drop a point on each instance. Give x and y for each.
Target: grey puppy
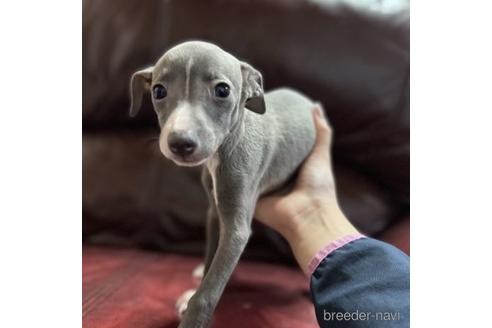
(212, 110)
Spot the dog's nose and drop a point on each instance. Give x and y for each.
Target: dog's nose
(181, 145)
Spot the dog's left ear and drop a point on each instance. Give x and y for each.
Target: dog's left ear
(140, 83)
(252, 89)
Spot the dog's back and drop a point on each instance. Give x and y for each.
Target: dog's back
(283, 136)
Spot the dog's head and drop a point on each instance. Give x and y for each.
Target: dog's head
(198, 92)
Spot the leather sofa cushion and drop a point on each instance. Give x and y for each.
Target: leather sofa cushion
(133, 196)
(353, 57)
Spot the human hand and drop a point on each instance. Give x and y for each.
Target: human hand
(309, 217)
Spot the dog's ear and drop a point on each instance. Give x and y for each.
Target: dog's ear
(252, 89)
(140, 83)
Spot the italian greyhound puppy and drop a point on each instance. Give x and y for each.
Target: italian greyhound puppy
(212, 110)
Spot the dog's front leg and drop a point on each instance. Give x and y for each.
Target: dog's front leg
(213, 226)
(212, 240)
(235, 208)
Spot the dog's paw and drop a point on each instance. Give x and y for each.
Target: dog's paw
(198, 272)
(182, 302)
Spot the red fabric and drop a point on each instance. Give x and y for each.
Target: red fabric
(134, 288)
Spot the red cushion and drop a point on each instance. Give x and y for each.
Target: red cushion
(134, 288)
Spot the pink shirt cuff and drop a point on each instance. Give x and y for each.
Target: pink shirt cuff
(330, 248)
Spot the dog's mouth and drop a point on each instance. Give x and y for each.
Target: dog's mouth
(188, 161)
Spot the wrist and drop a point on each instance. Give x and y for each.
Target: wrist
(315, 227)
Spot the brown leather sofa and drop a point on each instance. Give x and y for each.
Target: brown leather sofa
(353, 58)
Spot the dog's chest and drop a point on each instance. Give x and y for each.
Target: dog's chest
(212, 165)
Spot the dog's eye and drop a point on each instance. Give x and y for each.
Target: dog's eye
(222, 90)
(159, 91)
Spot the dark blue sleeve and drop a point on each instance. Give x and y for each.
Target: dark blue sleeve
(365, 283)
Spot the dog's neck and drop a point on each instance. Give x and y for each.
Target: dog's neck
(235, 134)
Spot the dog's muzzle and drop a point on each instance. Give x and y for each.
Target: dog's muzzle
(181, 144)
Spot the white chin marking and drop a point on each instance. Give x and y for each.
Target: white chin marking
(188, 164)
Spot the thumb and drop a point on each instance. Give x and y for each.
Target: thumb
(323, 134)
